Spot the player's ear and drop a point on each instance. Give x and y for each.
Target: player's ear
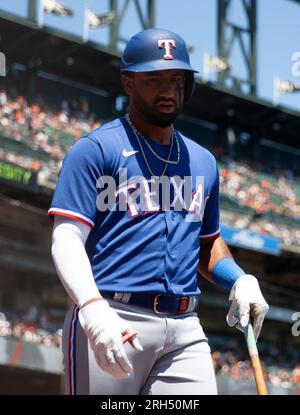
(127, 82)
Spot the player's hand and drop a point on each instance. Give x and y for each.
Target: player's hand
(247, 302)
(104, 329)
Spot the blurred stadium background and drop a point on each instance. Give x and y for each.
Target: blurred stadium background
(57, 87)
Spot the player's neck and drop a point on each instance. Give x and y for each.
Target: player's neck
(158, 134)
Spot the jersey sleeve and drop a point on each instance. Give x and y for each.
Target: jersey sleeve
(210, 225)
(76, 190)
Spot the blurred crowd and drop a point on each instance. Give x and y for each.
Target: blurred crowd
(42, 127)
(34, 326)
(252, 187)
(286, 234)
(279, 371)
(48, 131)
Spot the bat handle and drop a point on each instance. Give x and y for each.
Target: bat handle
(255, 361)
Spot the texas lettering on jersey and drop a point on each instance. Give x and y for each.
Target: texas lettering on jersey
(140, 196)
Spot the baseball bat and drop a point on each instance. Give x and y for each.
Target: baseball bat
(255, 361)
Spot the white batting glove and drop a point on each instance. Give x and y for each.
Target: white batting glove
(104, 329)
(247, 301)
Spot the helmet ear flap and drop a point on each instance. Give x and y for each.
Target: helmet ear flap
(189, 85)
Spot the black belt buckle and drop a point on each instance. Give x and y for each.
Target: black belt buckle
(155, 304)
(182, 306)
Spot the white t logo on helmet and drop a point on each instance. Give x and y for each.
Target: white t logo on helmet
(168, 45)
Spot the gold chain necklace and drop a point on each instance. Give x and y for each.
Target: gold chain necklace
(167, 161)
(151, 149)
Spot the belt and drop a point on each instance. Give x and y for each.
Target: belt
(159, 303)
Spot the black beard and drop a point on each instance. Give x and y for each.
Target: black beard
(153, 116)
(161, 120)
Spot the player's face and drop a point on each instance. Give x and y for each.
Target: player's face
(157, 96)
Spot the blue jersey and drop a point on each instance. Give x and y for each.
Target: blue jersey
(146, 230)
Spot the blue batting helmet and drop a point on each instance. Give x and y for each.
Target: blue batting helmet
(157, 50)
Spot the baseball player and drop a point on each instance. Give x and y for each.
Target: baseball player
(136, 215)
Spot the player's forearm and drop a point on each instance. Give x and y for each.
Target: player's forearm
(71, 261)
(210, 254)
(217, 265)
